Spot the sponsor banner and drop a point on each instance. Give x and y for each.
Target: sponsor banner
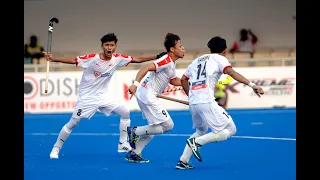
(279, 84)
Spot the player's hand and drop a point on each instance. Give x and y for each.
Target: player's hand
(161, 54)
(48, 56)
(258, 90)
(132, 90)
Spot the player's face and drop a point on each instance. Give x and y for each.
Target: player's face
(109, 48)
(178, 49)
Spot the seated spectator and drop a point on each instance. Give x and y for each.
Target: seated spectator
(246, 43)
(33, 51)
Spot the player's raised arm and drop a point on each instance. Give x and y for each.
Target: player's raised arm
(67, 60)
(141, 59)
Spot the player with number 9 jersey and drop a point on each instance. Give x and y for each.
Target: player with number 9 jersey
(161, 72)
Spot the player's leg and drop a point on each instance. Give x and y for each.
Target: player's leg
(159, 122)
(111, 105)
(218, 121)
(124, 113)
(158, 119)
(82, 110)
(201, 129)
(144, 139)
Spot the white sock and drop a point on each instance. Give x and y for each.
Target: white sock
(149, 130)
(124, 123)
(187, 152)
(211, 137)
(142, 143)
(63, 136)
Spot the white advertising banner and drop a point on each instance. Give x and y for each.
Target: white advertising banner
(279, 84)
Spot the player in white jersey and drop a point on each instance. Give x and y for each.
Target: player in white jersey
(93, 92)
(161, 72)
(198, 82)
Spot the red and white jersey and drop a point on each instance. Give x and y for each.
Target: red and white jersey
(157, 81)
(203, 73)
(97, 72)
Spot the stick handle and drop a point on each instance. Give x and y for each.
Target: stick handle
(173, 99)
(47, 77)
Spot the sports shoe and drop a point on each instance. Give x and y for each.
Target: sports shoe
(195, 147)
(123, 147)
(135, 158)
(182, 165)
(133, 138)
(54, 153)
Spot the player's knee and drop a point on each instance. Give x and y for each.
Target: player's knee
(168, 125)
(73, 122)
(224, 134)
(232, 129)
(123, 112)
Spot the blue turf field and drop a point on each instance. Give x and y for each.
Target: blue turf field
(264, 148)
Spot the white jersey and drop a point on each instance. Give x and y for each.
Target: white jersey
(203, 74)
(157, 81)
(97, 73)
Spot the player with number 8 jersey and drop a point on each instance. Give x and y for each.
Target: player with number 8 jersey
(93, 92)
(198, 82)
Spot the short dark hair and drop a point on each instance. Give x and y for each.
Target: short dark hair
(217, 44)
(170, 41)
(109, 37)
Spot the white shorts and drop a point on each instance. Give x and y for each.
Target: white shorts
(154, 112)
(87, 107)
(209, 115)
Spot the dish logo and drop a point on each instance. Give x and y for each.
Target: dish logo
(31, 87)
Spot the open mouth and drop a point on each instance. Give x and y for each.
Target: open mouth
(109, 52)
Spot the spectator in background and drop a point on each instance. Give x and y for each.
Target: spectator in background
(246, 43)
(33, 51)
(220, 94)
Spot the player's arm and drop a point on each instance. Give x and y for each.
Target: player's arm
(175, 81)
(144, 70)
(142, 59)
(240, 78)
(237, 76)
(67, 60)
(140, 75)
(185, 84)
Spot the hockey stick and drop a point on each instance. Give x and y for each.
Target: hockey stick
(172, 99)
(172, 89)
(49, 43)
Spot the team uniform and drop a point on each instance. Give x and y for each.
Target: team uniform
(152, 110)
(93, 90)
(203, 74)
(93, 95)
(154, 84)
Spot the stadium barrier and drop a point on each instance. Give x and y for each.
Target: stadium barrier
(279, 84)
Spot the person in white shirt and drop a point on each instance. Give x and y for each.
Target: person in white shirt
(161, 72)
(93, 92)
(198, 82)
